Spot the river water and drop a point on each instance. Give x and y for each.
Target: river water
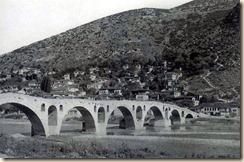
(209, 128)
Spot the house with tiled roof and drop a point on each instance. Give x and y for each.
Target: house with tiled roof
(219, 109)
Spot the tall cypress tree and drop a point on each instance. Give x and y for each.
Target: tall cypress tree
(46, 84)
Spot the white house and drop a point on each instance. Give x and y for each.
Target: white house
(110, 91)
(220, 109)
(177, 94)
(93, 77)
(67, 76)
(142, 97)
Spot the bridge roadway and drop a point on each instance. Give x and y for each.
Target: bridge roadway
(46, 114)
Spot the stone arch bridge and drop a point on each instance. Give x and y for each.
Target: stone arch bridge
(46, 114)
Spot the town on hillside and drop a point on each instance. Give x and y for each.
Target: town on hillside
(158, 83)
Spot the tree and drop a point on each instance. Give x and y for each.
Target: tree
(46, 84)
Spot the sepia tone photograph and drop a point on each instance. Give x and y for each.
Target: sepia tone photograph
(138, 79)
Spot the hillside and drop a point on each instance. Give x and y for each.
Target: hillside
(201, 37)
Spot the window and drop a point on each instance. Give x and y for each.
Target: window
(133, 107)
(61, 107)
(107, 108)
(95, 108)
(43, 107)
(101, 115)
(182, 114)
(139, 113)
(52, 116)
(144, 108)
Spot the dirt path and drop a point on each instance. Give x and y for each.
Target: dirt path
(207, 81)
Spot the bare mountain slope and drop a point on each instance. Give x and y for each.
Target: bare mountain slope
(200, 36)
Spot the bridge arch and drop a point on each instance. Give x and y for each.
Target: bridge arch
(37, 127)
(101, 115)
(175, 117)
(153, 114)
(189, 116)
(139, 113)
(127, 121)
(52, 115)
(87, 120)
(156, 112)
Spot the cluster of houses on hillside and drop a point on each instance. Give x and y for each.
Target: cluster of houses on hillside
(129, 86)
(67, 87)
(23, 80)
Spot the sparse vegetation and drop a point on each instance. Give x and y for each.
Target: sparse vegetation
(190, 36)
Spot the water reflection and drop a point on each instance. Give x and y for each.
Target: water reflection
(190, 129)
(201, 127)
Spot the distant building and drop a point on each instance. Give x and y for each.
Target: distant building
(76, 73)
(177, 94)
(126, 66)
(74, 113)
(150, 69)
(65, 87)
(103, 91)
(34, 84)
(67, 77)
(110, 92)
(140, 94)
(81, 94)
(93, 70)
(93, 77)
(73, 89)
(195, 101)
(8, 76)
(219, 109)
(97, 85)
(51, 73)
(142, 97)
(37, 71)
(22, 91)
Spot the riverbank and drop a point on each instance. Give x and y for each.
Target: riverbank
(91, 146)
(200, 139)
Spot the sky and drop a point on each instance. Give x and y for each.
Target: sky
(23, 22)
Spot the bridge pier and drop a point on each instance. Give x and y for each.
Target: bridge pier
(101, 129)
(182, 120)
(139, 125)
(53, 130)
(167, 122)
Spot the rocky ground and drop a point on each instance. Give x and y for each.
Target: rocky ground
(19, 146)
